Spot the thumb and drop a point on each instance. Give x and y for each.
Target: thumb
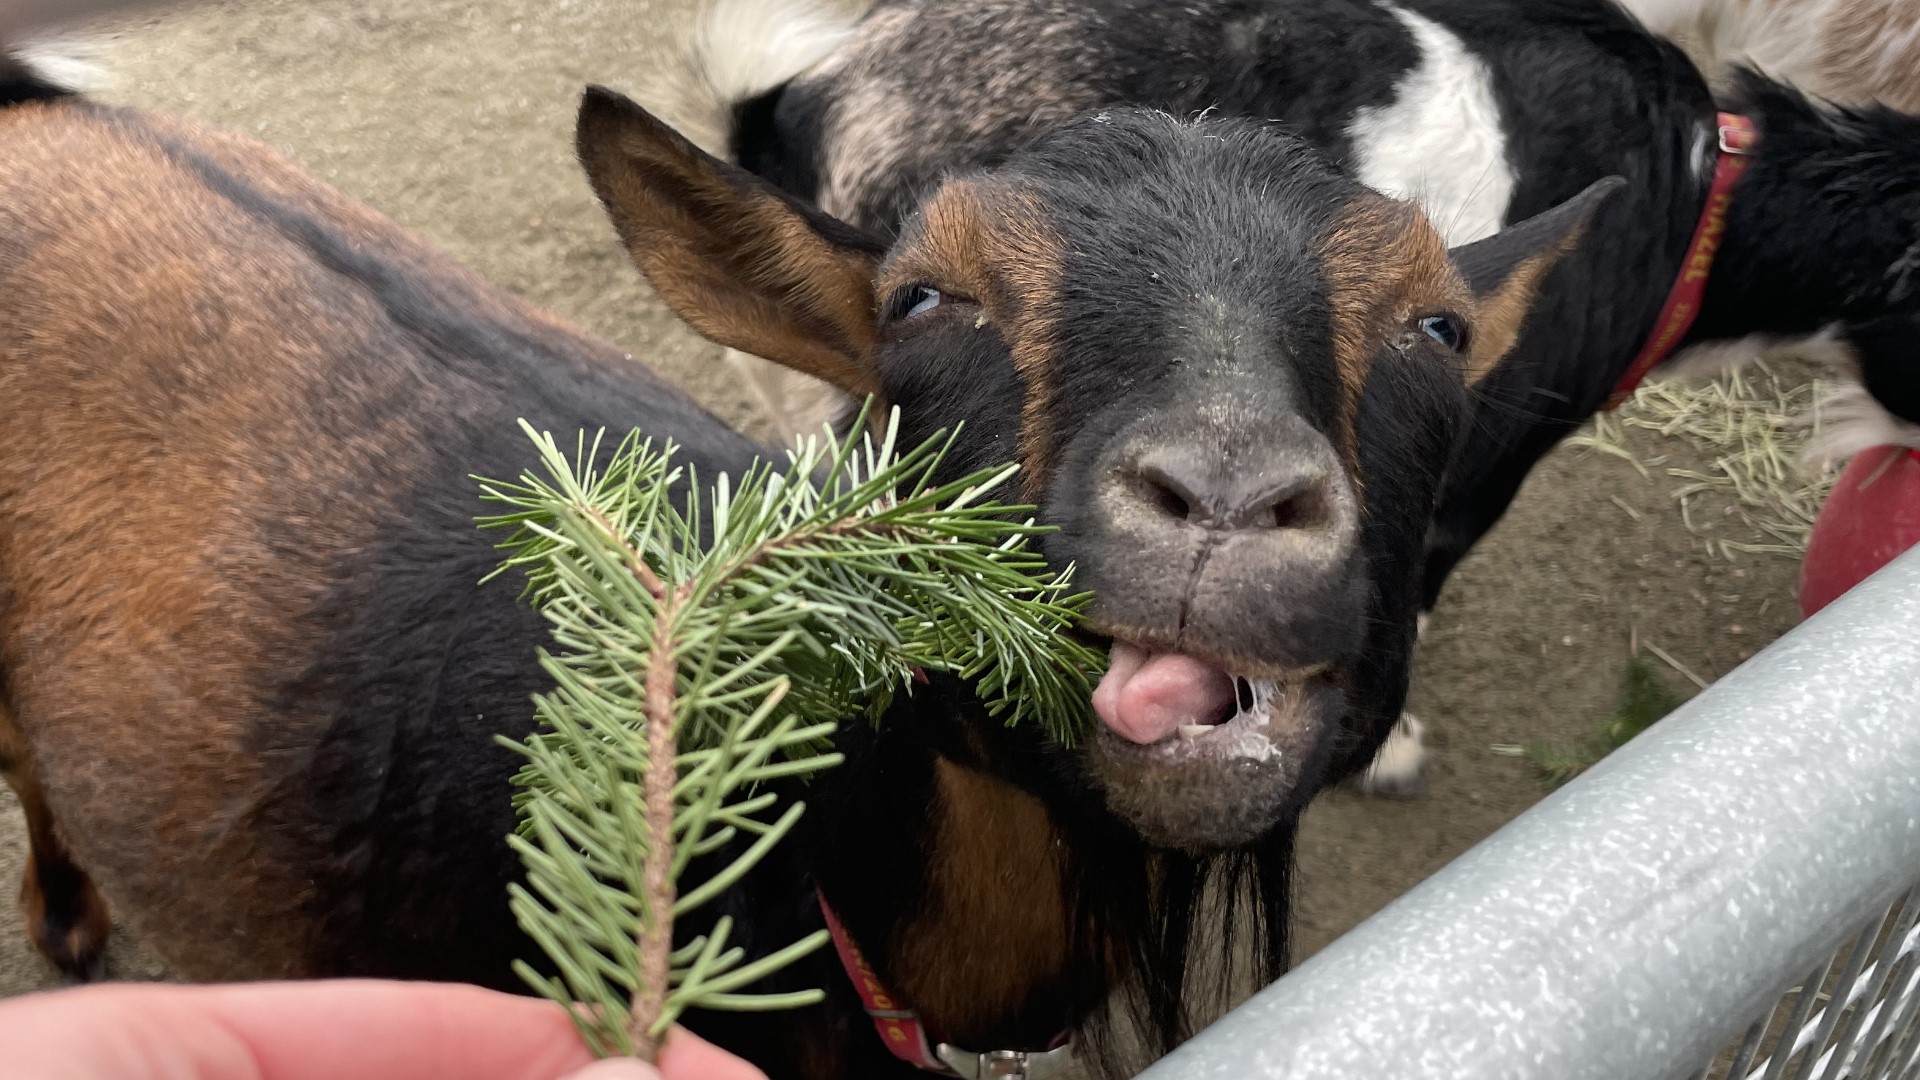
(687, 1056)
(619, 1068)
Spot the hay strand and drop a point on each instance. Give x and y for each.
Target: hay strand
(1751, 424)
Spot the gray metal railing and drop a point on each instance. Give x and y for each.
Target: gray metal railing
(1646, 916)
(1861, 1024)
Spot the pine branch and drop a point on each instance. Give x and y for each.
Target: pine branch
(700, 658)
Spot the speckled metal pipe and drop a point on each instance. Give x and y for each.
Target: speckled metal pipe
(1637, 919)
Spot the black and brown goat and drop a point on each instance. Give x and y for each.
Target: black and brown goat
(248, 688)
(1485, 111)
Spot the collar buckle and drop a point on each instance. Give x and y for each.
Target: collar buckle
(1007, 1064)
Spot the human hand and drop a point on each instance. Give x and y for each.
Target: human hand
(362, 1029)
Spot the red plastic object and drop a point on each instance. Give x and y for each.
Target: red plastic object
(1872, 516)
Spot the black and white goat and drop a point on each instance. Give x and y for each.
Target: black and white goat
(1485, 111)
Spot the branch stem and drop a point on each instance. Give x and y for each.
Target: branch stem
(654, 949)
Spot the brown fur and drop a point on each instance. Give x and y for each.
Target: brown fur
(121, 624)
(142, 614)
(996, 877)
(992, 245)
(756, 278)
(1385, 266)
(65, 915)
(1499, 313)
(219, 380)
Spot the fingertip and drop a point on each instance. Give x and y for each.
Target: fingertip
(624, 1068)
(686, 1056)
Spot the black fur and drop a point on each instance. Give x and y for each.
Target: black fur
(1885, 347)
(1824, 225)
(1824, 232)
(19, 85)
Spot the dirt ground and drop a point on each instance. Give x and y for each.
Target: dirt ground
(454, 117)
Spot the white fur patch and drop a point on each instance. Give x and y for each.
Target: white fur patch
(1705, 154)
(67, 61)
(1017, 66)
(1851, 421)
(1440, 143)
(868, 136)
(739, 50)
(1399, 770)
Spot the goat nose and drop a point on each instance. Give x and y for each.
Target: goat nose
(1210, 491)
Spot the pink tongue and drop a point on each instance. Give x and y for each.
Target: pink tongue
(1147, 698)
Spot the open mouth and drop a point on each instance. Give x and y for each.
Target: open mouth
(1205, 752)
(1183, 706)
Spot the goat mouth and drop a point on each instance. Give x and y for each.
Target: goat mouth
(1177, 706)
(1206, 753)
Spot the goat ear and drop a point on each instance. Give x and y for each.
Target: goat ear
(1505, 270)
(742, 262)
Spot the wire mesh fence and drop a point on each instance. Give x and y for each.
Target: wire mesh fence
(1855, 1016)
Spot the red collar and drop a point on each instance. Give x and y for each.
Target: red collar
(907, 1038)
(1737, 140)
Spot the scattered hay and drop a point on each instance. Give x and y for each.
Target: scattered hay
(1753, 423)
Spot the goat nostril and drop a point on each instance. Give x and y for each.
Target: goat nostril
(1167, 494)
(1168, 501)
(1300, 510)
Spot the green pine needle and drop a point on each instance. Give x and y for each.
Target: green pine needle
(688, 674)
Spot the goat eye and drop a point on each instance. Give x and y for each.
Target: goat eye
(1446, 330)
(914, 300)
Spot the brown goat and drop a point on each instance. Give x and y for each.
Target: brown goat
(236, 402)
